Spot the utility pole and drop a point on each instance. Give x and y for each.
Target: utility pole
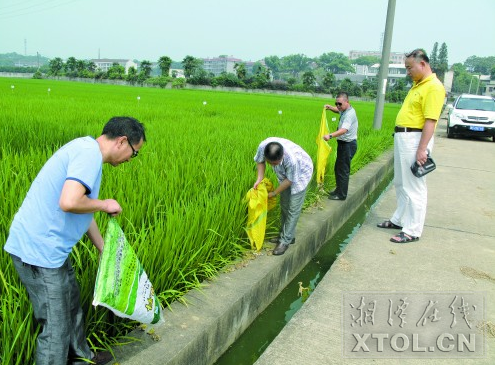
(382, 75)
(470, 83)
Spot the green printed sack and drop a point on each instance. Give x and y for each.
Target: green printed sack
(121, 283)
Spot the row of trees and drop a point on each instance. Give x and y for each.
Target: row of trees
(87, 69)
(307, 76)
(289, 73)
(295, 72)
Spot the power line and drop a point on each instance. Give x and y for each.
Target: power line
(12, 13)
(15, 3)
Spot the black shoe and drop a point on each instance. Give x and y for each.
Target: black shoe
(336, 197)
(280, 249)
(102, 358)
(333, 193)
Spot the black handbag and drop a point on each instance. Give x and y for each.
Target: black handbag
(422, 170)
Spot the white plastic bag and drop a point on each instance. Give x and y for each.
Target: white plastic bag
(121, 283)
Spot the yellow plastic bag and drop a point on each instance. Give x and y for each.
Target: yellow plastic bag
(323, 149)
(258, 206)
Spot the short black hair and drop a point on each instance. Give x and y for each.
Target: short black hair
(419, 54)
(343, 94)
(274, 151)
(125, 126)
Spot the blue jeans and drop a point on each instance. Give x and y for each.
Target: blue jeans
(290, 209)
(54, 295)
(345, 153)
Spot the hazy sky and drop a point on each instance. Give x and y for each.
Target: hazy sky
(250, 29)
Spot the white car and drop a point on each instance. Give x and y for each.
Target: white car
(472, 115)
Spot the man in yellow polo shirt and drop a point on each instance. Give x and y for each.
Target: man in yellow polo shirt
(413, 141)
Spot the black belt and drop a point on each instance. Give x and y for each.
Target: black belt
(407, 129)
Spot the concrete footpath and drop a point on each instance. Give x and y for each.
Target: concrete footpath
(452, 264)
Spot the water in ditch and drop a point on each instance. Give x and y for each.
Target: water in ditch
(251, 344)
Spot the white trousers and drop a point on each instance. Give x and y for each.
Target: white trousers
(411, 191)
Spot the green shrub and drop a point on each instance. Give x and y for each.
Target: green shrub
(179, 83)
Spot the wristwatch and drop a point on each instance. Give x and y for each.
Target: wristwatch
(330, 136)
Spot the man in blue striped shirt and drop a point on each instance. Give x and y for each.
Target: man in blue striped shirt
(294, 169)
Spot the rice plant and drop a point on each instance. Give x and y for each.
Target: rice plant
(182, 199)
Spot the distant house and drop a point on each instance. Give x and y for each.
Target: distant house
(395, 57)
(490, 88)
(105, 64)
(218, 65)
(487, 86)
(396, 71)
(178, 72)
(358, 79)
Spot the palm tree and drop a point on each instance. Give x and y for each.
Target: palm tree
(70, 65)
(90, 66)
(146, 68)
(240, 69)
(56, 65)
(80, 67)
(164, 63)
(190, 64)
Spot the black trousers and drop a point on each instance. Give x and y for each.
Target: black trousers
(345, 153)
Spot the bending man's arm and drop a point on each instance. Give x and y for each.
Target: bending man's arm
(94, 236)
(73, 199)
(261, 173)
(283, 186)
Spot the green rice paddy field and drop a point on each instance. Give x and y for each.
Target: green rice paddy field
(182, 198)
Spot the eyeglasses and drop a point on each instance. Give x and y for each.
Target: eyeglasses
(338, 104)
(134, 152)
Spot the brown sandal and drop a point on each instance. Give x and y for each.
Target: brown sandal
(388, 224)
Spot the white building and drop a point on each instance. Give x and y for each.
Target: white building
(395, 57)
(178, 72)
(218, 65)
(396, 71)
(490, 88)
(105, 64)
